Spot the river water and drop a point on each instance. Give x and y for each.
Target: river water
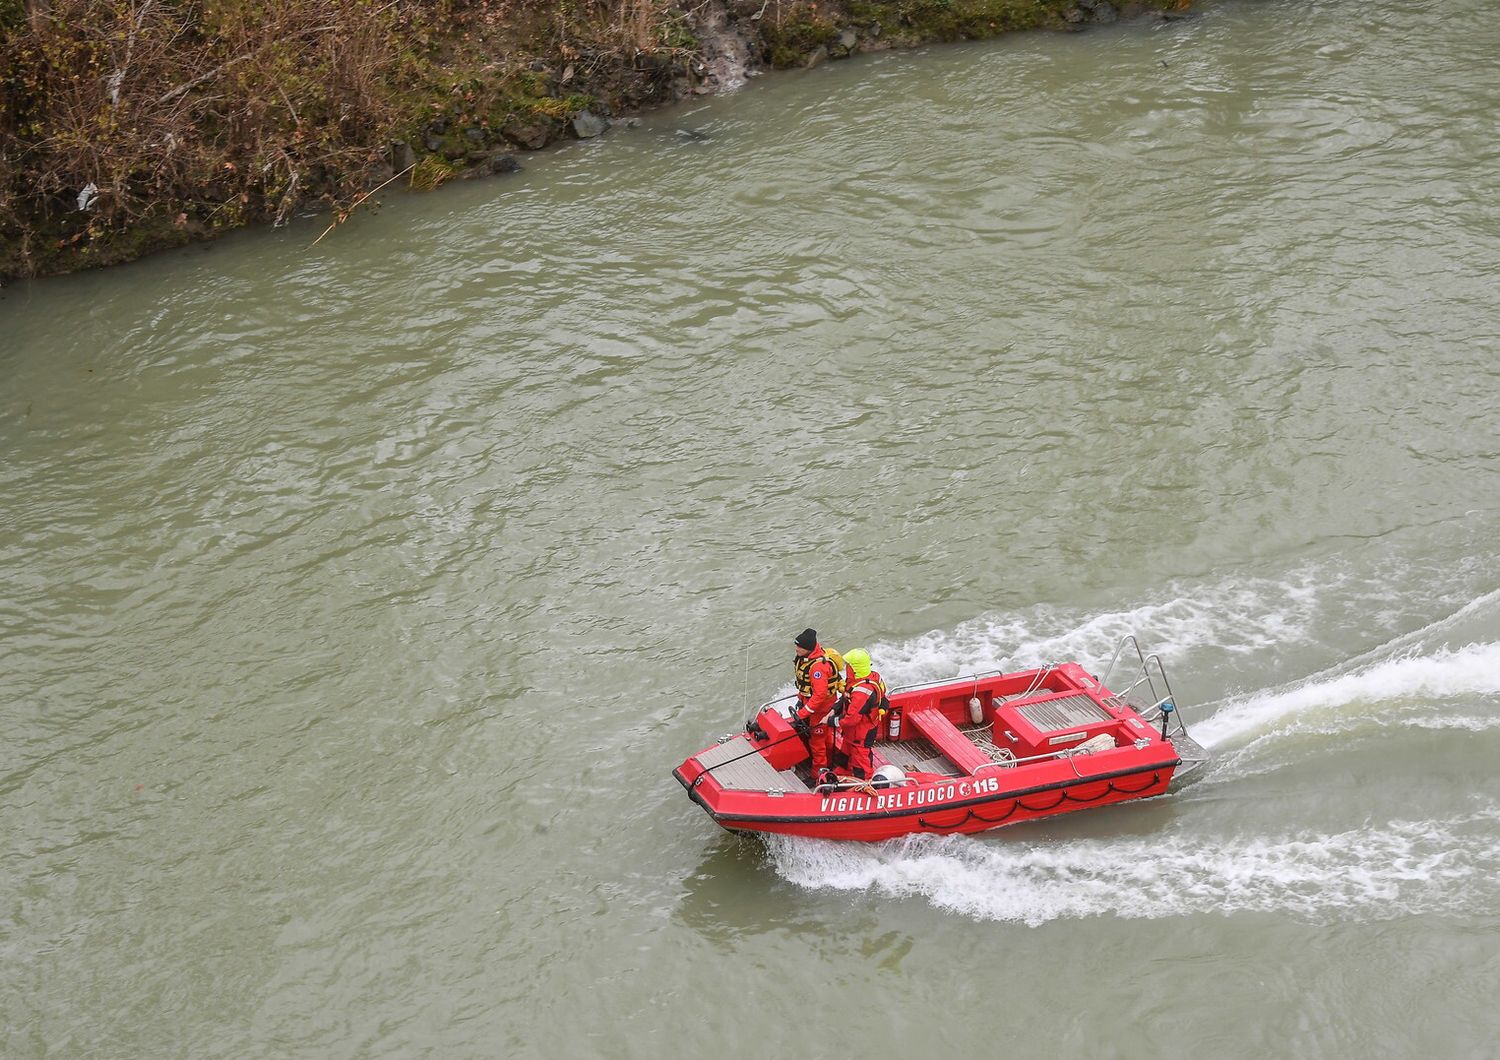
(357, 601)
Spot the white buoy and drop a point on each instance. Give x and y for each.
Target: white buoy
(976, 711)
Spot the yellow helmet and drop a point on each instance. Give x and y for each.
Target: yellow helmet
(859, 661)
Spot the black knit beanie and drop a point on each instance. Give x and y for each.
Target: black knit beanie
(807, 640)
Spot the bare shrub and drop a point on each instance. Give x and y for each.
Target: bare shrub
(120, 115)
(217, 111)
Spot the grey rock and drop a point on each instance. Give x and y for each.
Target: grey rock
(531, 136)
(816, 57)
(848, 40)
(503, 163)
(1103, 13)
(402, 156)
(587, 125)
(474, 133)
(432, 142)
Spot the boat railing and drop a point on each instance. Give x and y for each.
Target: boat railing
(1070, 754)
(959, 679)
(1149, 676)
(964, 679)
(1128, 639)
(1149, 692)
(773, 702)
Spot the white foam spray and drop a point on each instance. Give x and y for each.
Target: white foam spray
(1470, 671)
(1376, 872)
(1240, 618)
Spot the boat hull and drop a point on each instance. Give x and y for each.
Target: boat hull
(954, 807)
(974, 754)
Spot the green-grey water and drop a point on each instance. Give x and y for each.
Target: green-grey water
(357, 601)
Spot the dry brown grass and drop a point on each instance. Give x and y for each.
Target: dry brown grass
(213, 111)
(206, 114)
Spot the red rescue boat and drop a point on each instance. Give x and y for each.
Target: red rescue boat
(963, 755)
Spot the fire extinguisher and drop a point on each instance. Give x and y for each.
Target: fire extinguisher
(895, 729)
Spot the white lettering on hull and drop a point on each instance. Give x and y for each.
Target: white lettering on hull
(908, 798)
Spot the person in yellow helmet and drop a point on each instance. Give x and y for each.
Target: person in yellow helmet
(859, 721)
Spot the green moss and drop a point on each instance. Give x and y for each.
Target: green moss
(794, 33)
(68, 243)
(923, 20)
(956, 19)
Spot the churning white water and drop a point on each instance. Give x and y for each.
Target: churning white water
(1366, 869)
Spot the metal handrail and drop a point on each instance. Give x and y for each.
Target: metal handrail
(1181, 729)
(1042, 669)
(1146, 678)
(1157, 701)
(1129, 638)
(1162, 671)
(959, 679)
(1144, 668)
(773, 702)
(1066, 752)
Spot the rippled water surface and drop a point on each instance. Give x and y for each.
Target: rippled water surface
(357, 601)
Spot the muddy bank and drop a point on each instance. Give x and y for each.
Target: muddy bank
(205, 149)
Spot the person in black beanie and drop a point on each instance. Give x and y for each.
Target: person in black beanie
(820, 682)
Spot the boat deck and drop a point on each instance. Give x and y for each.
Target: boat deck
(736, 765)
(916, 755)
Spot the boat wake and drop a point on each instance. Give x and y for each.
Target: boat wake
(1413, 682)
(1442, 675)
(1211, 629)
(1314, 703)
(1376, 872)
(1240, 619)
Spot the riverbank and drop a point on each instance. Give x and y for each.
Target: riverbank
(132, 127)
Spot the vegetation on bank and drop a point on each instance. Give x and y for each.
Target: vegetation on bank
(129, 125)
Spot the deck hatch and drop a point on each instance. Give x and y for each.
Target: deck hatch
(1069, 712)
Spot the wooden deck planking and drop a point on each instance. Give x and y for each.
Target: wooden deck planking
(749, 773)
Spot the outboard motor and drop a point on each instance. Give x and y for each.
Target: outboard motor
(888, 777)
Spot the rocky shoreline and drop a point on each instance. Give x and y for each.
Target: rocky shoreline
(486, 124)
(731, 49)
